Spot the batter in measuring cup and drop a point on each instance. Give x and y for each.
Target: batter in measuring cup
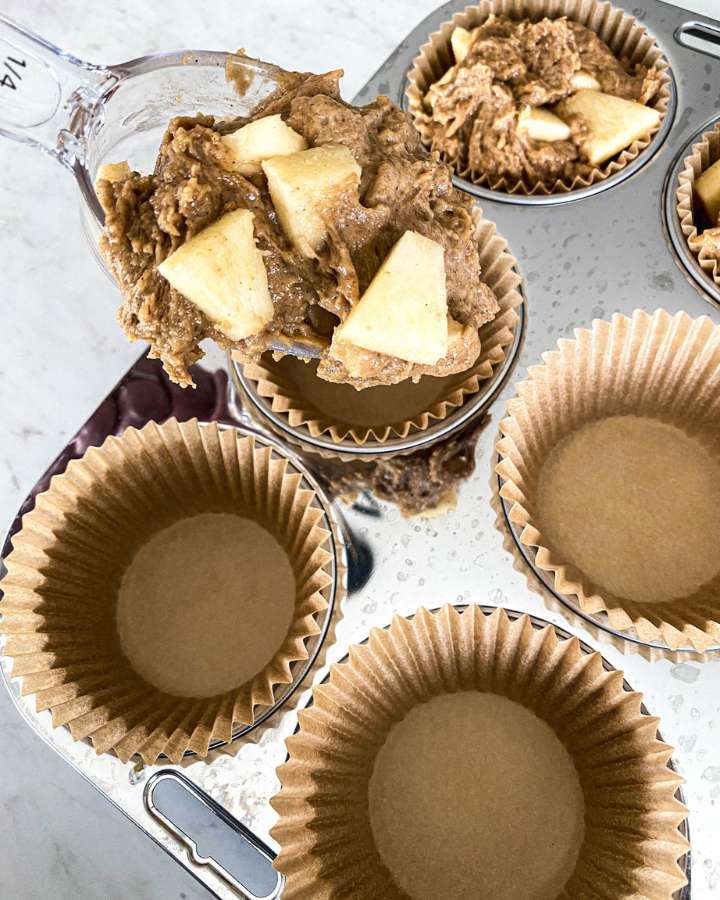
(381, 243)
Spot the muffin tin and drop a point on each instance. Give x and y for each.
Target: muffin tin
(606, 251)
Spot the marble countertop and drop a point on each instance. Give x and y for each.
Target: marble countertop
(58, 837)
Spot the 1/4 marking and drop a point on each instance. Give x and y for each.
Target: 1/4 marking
(8, 80)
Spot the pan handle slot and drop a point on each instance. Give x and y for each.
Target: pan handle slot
(212, 836)
(700, 36)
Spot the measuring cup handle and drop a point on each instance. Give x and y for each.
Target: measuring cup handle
(46, 95)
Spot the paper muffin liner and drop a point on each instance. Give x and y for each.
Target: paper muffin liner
(574, 620)
(623, 33)
(656, 366)
(632, 841)
(291, 389)
(704, 153)
(64, 572)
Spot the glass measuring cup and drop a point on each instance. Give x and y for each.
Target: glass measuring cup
(85, 115)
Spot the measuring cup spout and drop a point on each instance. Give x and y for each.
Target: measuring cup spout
(48, 98)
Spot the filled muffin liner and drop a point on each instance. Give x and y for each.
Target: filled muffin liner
(624, 34)
(704, 153)
(653, 365)
(632, 840)
(64, 571)
(499, 271)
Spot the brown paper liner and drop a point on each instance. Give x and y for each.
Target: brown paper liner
(624, 34)
(632, 843)
(658, 366)
(704, 153)
(396, 411)
(60, 591)
(574, 620)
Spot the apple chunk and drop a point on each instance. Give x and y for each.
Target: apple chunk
(429, 99)
(304, 185)
(403, 312)
(613, 123)
(222, 272)
(542, 125)
(113, 171)
(260, 140)
(707, 190)
(460, 41)
(585, 80)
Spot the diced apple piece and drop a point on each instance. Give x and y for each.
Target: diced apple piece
(458, 335)
(222, 272)
(260, 140)
(357, 363)
(463, 349)
(460, 41)
(403, 312)
(542, 125)
(613, 123)
(303, 185)
(429, 99)
(585, 80)
(113, 171)
(707, 190)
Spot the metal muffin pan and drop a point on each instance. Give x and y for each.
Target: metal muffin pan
(603, 253)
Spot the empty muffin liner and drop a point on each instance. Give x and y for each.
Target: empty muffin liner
(657, 366)
(64, 572)
(289, 397)
(623, 33)
(632, 817)
(601, 635)
(704, 153)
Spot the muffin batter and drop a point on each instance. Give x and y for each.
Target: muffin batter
(634, 504)
(472, 795)
(422, 483)
(510, 64)
(193, 185)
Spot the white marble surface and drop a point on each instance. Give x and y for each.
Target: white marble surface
(63, 351)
